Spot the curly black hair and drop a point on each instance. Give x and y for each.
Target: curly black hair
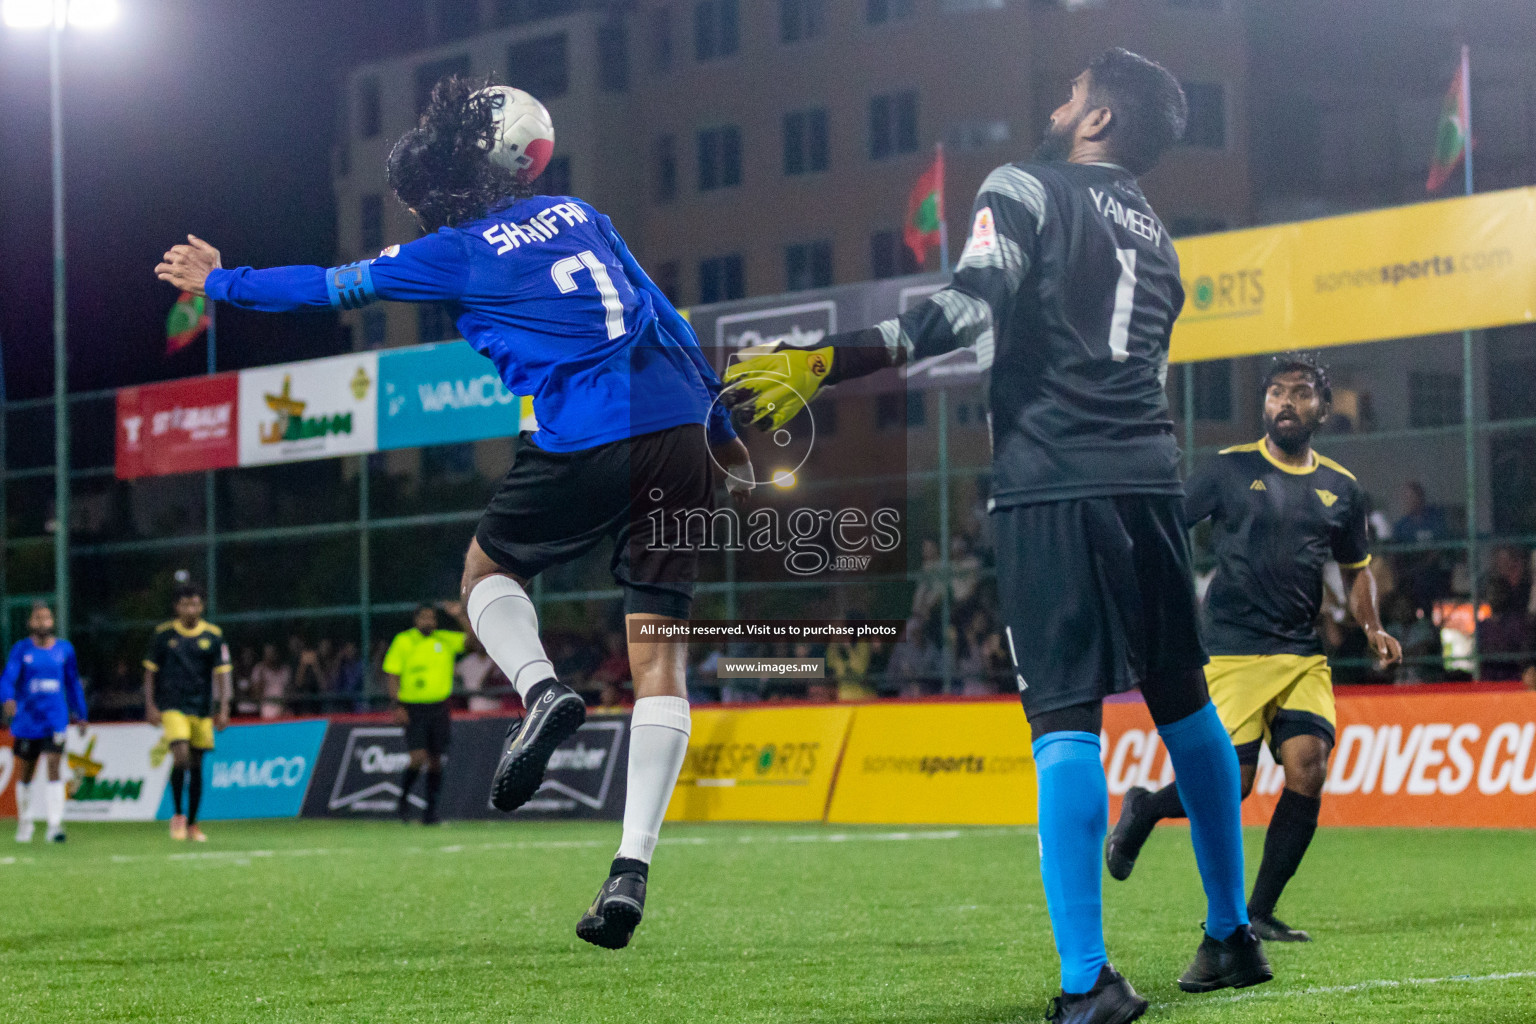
(1148, 107)
(441, 169)
(1298, 362)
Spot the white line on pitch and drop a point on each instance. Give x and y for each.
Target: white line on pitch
(1362, 986)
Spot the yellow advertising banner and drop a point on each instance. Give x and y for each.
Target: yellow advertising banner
(760, 764)
(937, 764)
(1430, 268)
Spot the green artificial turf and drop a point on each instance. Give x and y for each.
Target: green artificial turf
(330, 921)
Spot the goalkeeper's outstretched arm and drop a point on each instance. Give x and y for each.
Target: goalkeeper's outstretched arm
(770, 384)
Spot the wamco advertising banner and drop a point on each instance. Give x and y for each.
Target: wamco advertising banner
(310, 410)
(440, 394)
(257, 771)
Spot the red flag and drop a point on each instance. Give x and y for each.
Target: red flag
(1453, 137)
(924, 225)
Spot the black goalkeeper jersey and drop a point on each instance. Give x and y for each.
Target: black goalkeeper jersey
(185, 662)
(1068, 289)
(1274, 528)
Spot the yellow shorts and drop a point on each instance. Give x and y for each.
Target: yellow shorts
(177, 725)
(1270, 698)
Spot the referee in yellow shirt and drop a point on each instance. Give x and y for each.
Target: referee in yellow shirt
(419, 672)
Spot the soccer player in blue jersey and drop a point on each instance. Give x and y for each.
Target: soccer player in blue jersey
(627, 426)
(41, 694)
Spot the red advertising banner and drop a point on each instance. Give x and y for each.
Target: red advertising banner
(7, 774)
(179, 426)
(1442, 759)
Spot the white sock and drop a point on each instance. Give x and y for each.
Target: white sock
(23, 800)
(508, 627)
(55, 805)
(658, 741)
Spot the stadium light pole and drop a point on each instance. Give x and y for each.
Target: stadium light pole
(55, 15)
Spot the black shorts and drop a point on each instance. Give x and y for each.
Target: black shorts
(428, 726)
(1097, 597)
(32, 749)
(554, 507)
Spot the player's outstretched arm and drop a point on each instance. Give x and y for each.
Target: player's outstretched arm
(430, 269)
(770, 384)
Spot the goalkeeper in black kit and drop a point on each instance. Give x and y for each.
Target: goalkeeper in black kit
(1067, 291)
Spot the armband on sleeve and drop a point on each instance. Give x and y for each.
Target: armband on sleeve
(351, 286)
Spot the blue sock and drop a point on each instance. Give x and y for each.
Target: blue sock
(1074, 815)
(1206, 766)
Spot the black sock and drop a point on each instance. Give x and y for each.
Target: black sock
(178, 780)
(434, 787)
(623, 864)
(407, 780)
(1285, 843)
(194, 787)
(1165, 803)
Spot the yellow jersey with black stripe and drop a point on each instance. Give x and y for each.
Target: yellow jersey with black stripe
(1274, 528)
(185, 661)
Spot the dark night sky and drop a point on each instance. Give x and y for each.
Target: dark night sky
(215, 117)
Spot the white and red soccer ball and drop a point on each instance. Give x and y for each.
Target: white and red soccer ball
(525, 135)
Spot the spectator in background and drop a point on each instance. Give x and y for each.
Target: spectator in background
(915, 669)
(1421, 523)
(306, 687)
(350, 679)
(269, 681)
(247, 697)
(1512, 564)
(847, 666)
(614, 668)
(472, 672)
(1423, 575)
(1506, 631)
(1416, 631)
(980, 662)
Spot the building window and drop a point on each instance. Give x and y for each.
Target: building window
(1213, 390)
(889, 256)
(613, 57)
(892, 124)
(661, 40)
(805, 142)
(896, 409)
(556, 179)
(1434, 399)
(434, 322)
(539, 66)
(1207, 127)
(666, 169)
(375, 327)
(878, 12)
(968, 136)
(429, 74)
(801, 19)
(370, 224)
(669, 278)
(808, 265)
(715, 30)
(370, 116)
(1196, 224)
(456, 19)
(719, 158)
(721, 279)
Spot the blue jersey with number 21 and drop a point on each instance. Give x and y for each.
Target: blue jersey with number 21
(547, 289)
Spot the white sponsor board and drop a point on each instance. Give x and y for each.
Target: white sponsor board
(114, 773)
(310, 410)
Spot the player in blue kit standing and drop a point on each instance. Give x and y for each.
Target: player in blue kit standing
(41, 693)
(627, 426)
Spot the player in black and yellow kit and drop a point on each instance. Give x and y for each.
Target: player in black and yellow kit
(186, 673)
(1279, 512)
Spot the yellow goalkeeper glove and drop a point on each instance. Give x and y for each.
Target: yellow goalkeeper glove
(768, 385)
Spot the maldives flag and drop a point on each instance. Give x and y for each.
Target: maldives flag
(186, 320)
(925, 210)
(1452, 139)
